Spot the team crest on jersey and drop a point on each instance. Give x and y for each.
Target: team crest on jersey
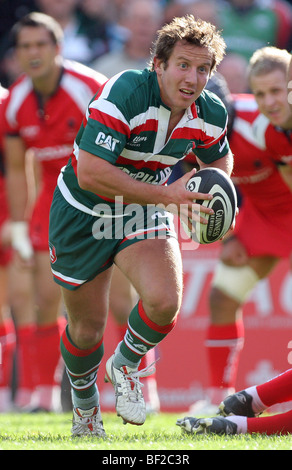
(190, 148)
(53, 256)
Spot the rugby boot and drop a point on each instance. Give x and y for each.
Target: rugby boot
(218, 425)
(130, 404)
(87, 423)
(239, 404)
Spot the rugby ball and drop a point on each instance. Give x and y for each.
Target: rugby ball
(224, 203)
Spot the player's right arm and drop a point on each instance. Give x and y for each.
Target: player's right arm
(101, 177)
(17, 192)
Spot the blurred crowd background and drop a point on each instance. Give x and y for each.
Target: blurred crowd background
(112, 35)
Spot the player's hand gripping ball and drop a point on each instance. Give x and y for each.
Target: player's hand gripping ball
(224, 204)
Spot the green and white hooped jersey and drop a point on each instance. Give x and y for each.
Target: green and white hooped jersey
(126, 124)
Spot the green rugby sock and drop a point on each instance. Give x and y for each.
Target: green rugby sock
(82, 366)
(141, 336)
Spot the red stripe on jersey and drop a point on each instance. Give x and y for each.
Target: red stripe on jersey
(196, 134)
(149, 125)
(160, 329)
(110, 122)
(188, 133)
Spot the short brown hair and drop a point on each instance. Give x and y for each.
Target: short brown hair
(268, 59)
(37, 20)
(194, 31)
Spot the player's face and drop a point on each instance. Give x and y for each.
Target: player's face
(185, 76)
(270, 91)
(36, 52)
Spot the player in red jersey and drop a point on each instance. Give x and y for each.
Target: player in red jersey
(7, 334)
(252, 251)
(241, 411)
(274, 130)
(42, 115)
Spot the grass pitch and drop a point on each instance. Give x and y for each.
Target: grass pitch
(46, 431)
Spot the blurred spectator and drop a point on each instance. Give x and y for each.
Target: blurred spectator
(99, 21)
(172, 9)
(234, 69)
(252, 24)
(247, 24)
(9, 67)
(80, 43)
(204, 9)
(142, 18)
(90, 28)
(10, 12)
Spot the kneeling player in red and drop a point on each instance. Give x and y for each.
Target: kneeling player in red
(239, 412)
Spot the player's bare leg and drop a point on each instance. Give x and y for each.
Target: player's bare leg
(7, 345)
(226, 320)
(156, 275)
(82, 350)
(21, 299)
(50, 325)
(123, 298)
(36, 302)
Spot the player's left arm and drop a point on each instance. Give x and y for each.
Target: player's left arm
(224, 163)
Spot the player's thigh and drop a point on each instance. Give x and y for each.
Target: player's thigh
(154, 266)
(234, 254)
(21, 292)
(263, 265)
(3, 292)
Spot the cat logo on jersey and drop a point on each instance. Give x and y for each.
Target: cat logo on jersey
(106, 141)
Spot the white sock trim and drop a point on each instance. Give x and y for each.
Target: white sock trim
(241, 422)
(257, 405)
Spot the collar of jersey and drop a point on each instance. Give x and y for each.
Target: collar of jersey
(191, 111)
